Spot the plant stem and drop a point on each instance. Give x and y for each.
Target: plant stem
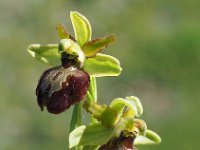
(93, 88)
(76, 114)
(93, 93)
(76, 117)
(76, 120)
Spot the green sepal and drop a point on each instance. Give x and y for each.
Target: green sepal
(129, 107)
(150, 138)
(82, 27)
(92, 47)
(47, 54)
(102, 65)
(118, 105)
(103, 113)
(62, 32)
(135, 101)
(93, 134)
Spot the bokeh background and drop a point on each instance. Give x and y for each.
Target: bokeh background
(158, 45)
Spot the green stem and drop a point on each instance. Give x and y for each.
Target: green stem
(76, 114)
(76, 120)
(93, 88)
(93, 94)
(76, 117)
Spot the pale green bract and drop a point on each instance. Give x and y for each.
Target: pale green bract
(93, 134)
(47, 54)
(150, 138)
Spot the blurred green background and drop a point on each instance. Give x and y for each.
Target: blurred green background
(158, 45)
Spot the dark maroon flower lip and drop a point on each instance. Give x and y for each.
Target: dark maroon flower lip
(120, 143)
(59, 88)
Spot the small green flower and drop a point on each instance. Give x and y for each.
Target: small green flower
(80, 50)
(80, 53)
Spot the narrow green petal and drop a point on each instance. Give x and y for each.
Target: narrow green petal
(47, 54)
(82, 27)
(91, 48)
(62, 32)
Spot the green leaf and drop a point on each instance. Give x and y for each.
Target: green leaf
(91, 147)
(82, 28)
(93, 134)
(62, 32)
(102, 65)
(150, 138)
(47, 54)
(91, 48)
(135, 101)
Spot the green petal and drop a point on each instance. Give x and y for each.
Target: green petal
(150, 138)
(82, 28)
(102, 65)
(91, 48)
(62, 32)
(141, 126)
(47, 54)
(93, 134)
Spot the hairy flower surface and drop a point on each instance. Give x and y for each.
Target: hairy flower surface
(60, 87)
(121, 143)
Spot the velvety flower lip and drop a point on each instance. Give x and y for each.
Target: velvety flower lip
(59, 88)
(120, 143)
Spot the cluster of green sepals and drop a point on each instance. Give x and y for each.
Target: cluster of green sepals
(107, 122)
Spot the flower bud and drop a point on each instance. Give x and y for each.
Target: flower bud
(60, 87)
